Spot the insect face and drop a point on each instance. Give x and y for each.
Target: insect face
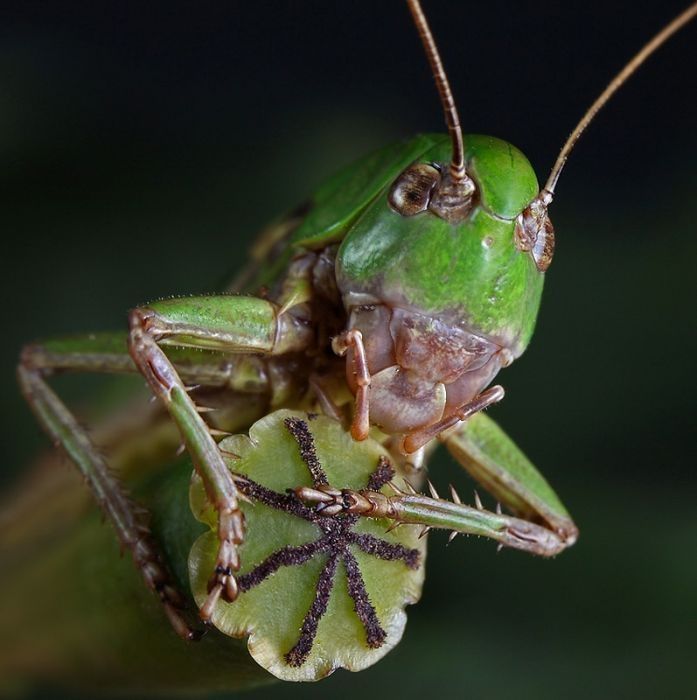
(444, 294)
(451, 260)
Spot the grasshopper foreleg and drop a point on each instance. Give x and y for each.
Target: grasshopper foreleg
(435, 512)
(227, 324)
(353, 340)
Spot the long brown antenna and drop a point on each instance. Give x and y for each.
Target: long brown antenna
(457, 164)
(678, 23)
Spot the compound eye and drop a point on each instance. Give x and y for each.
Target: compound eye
(543, 250)
(534, 233)
(412, 190)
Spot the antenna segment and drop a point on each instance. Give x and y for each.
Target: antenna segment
(678, 23)
(457, 164)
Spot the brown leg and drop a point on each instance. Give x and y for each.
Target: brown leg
(419, 438)
(132, 532)
(361, 417)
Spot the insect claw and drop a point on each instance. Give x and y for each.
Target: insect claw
(455, 495)
(432, 489)
(244, 498)
(197, 635)
(306, 493)
(211, 601)
(424, 531)
(178, 623)
(478, 501)
(231, 590)
(330, 509)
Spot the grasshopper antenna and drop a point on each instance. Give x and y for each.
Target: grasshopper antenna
(447, 193)
(457, 163)
(534, 232)
(678, 23)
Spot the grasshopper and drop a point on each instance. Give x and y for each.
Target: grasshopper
(409, 281)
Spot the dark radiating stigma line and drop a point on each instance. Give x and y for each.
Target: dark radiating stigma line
(385, 550)
(286, 556)
(374, 632)
(299, 653)
(334, 542)
(299, 430)
(383, 474)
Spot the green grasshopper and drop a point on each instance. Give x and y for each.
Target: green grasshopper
(406, 284)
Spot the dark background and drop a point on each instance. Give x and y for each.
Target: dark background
(143, 145)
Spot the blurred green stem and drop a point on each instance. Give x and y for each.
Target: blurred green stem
(75, 613)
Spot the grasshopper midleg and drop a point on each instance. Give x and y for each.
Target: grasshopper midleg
(249, 325)
(130, 527)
